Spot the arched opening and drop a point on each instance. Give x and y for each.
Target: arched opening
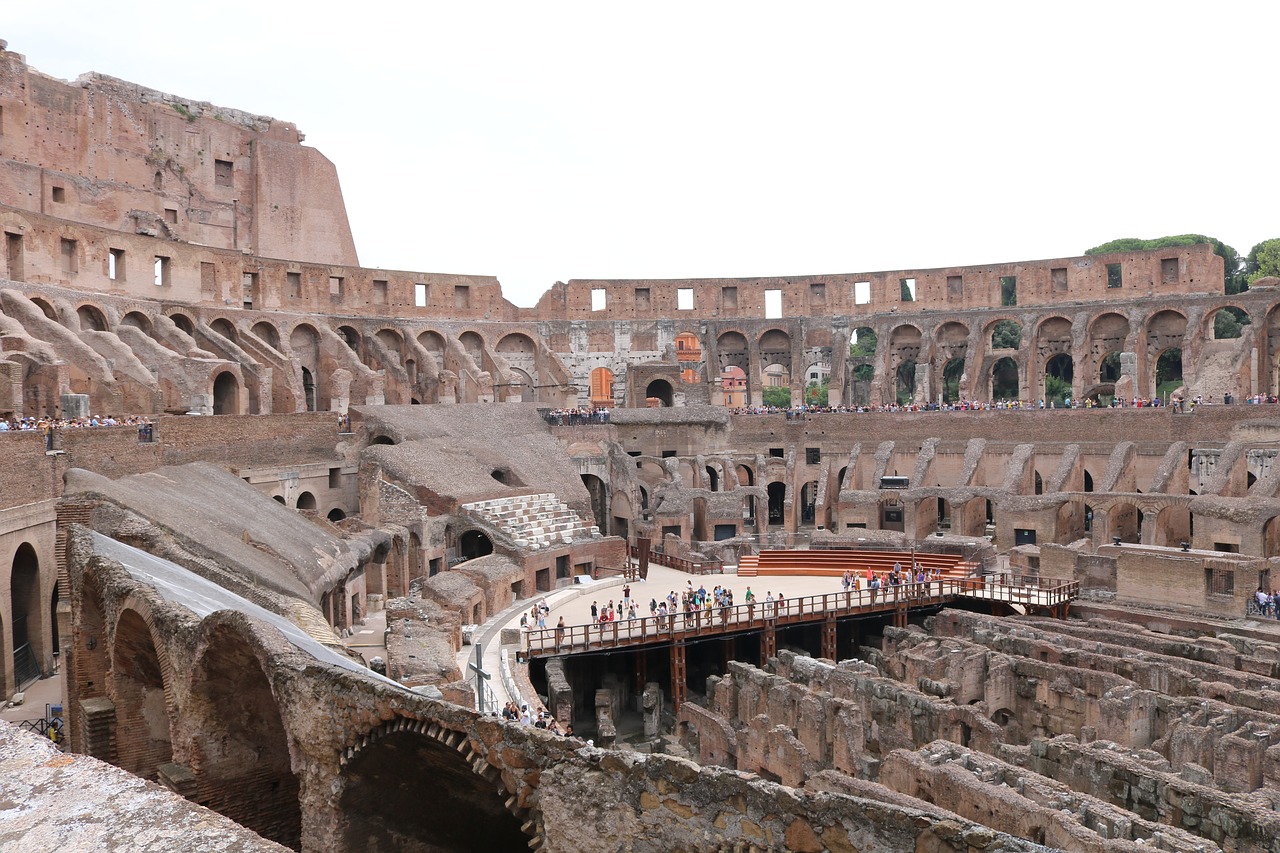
(474, 543)
(599, 510)
(226, 394)
(808, 502)
(26, 621)
(658, 394)
(777, 502)
(1109, 369)
(906, 388)
(1058, 373)
(278, 498)
(1174, 525)
(137, 320)
(1088, 481)
(713, 479)
(268, 334)
(602, 388)
(306, 500)
(336, 515)
(142, 715)
(1169, 371)
(1039, 483)
(309, 389)
(951, 373)
(183, 322)
(224, 328)
(448, 808)
(352, 338)
(240, 754)
(1006, 334)
(776, 382)
(382, 439)
(1004, 379)
(45, 308)
(474, 345)
(91, 319)
(1126, 523)
(1271, 537)
(1229, 322)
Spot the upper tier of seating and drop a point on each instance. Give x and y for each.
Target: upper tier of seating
(534, 521)
(835, 563)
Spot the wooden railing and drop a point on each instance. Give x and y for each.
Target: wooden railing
(692, 567)
(630, 573)
(1038, 592)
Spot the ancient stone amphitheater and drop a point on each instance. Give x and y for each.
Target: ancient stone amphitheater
(328, 446)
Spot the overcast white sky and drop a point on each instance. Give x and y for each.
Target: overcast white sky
(545, 141)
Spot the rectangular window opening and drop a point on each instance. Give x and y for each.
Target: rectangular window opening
(13, 255)
(461, 296)
(1008, 290)
(294, 281)
(1219, 580)
(955, 287)
(419, 295)
(335, 478)
(380, 292)
(862, 293)
(684, 299)
(222, 171)
(171, 215)
(813, 455)
(777, 452)
(772, 304)
(335, 287)
(642, 297)
(115, 264)
(1058, 279)
(1114, 276)
(59, 194)
(729, 298)
(599, 298)
(908, 288)
(817, 294)
(208, 280)
(248, 288)
(668, 454)
(162, 270)
(1168, 270)
(70, 259)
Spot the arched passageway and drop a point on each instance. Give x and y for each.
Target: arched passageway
(599, 503)
(448, 807)
(306, 500)
(142, 715)
(474, 544)
(240, 754)
(26, 616)
(226, 394)
(659, 394)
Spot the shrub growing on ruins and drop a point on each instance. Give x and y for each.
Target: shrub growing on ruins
(1263, 260)
(1233, 266)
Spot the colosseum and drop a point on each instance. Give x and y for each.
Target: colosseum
(281, 532)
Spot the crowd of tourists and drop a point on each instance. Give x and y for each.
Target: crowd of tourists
(520, 714)
(1268, 604)
(798, 412)
(45, 424)
(577, 417)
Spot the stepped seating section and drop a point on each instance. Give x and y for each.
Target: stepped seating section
(536, 522)
(836, 563)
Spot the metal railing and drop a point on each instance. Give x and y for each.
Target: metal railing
(692, 567)
(1039, 592)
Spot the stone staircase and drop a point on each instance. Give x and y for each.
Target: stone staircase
(534, 521)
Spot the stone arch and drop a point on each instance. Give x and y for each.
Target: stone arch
(306, 501)
(183, 322)
(1168, 369)
(278, 498)
(226, 328)
(226, 394)
(26, 615)
(808, 503)
(433, 343)
(474, 543)
(1174, 525)
(659, 390)
(335, 515)
(775, 358)
(1004, 379)
(308, 389)
(89, 664)
(1004, 334)
(268, 333)
(733, 351)
(239, 751)
(1124, 520)
(453, 805)
(733, 385)
(143, 711)
(1271, 537)
(45, 307)
(1164, 330)
(91, 318)
(516, 343)
(1059, 370)
(137, 320)
(1225, 323)
(391, 339)
(351, 337)
(952, 373)
(473, 343)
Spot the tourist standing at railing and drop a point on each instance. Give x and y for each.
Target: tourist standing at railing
(560, 626)
(750, 598)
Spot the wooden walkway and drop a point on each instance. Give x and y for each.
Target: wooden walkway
(1045, 595)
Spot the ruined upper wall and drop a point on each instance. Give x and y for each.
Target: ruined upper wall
(102, 151)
